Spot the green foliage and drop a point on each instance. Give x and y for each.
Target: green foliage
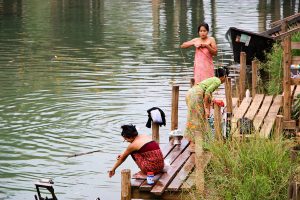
(296, 108)
(273, 66)
(274, 70)
(256, 169)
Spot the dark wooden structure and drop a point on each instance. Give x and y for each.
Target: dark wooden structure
(255, 45)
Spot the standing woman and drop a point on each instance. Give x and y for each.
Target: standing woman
(206, 48)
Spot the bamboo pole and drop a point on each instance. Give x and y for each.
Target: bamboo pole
(155, 132)
(228, 94)
(125, 184)
(174, 112)
(199, 162)
(278, 127)
(217, 122)
(242, 86)
(254, 77)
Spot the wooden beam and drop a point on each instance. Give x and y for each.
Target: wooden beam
(239, 113)
(166, 178)
(218, 122)
(125, 185)
(275, 23)
(271, 116)
(289, 124)
(182, 174)
(295, 45)
(259, 118)
(228, 94)
(278, 127)
(287, 33)
(242, 82)
(155, 132)
(174, 111)
(255, 105)
(295, 81)
(286, 78)
(254, 77)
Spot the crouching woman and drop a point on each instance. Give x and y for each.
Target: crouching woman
(144, 151)
(198, 100)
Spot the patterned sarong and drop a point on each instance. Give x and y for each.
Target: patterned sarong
(149, 158)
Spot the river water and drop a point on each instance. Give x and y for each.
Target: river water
(72, 72)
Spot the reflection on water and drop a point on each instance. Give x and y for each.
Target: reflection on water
(72, 72)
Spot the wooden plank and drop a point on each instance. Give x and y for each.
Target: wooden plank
(166, 178)
(190, 181)
(144, 195)
(176, 151)
(253, 109)
(290, 124)
(287, 33)
(136, 183)
(239, 113)
(182, 174)
(295, 45)
(295, 81)
(166, 149)
(259, 118)
(270, 118)
(289, 18)
(242, 109)
(293, 87)
(295, 60)
(297, 91)
(234, 101)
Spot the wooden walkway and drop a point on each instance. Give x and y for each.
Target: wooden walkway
(177, 178)
(262, 110)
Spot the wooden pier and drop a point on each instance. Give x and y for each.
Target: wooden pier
(267, 115)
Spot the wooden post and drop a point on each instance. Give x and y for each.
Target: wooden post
(217, 122)
(286, 75)
(174, 112)
(125, 184)
(254, 77)
(192, 82)
(199, 162)
(237, 91)
(155, 132)
(242, 86)
(278, 127)
(228, 94)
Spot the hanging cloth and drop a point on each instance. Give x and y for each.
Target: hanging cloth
(156, 115)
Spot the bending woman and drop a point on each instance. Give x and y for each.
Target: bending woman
(144, 151)
(205, 49)
(198, 100)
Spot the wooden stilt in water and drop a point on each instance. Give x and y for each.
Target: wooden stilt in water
(126, 185)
